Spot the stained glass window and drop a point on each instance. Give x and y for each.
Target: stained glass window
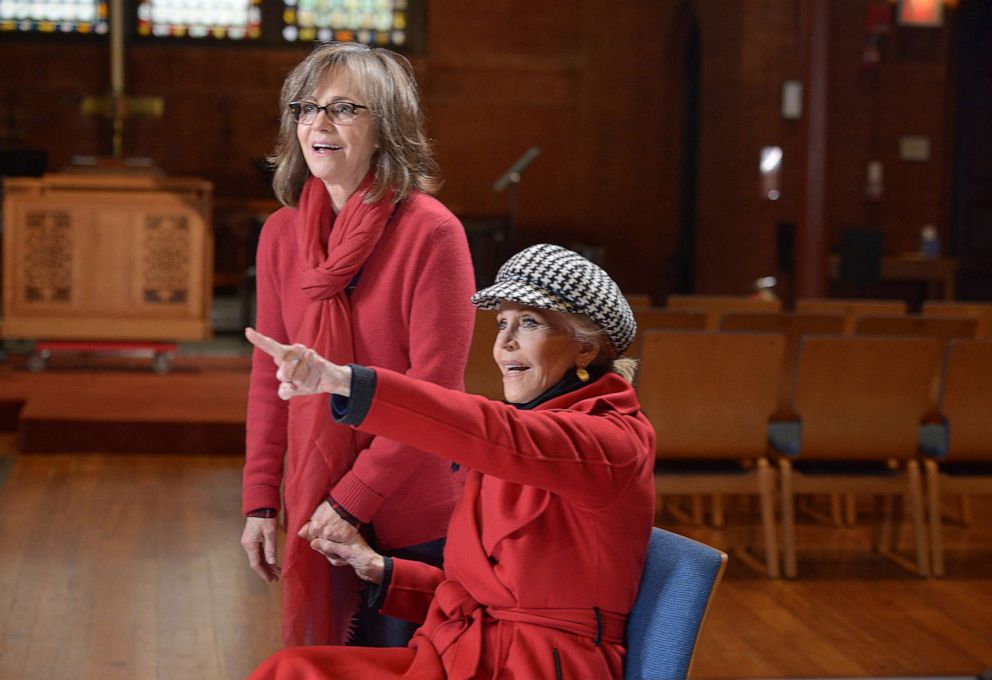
(53, 16)
(220, 19)
(375, 22)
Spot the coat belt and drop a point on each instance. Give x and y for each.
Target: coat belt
(467, 620)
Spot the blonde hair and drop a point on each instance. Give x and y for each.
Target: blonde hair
(586, 332)
(404, 160)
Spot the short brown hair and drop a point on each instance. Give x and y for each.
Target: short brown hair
(404, 160)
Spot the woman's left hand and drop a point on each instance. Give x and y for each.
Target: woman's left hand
(367, 563)
(301, 371)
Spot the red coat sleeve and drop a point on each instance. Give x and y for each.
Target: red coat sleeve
(266, 435)
(411, 590)
(588, 457)
(441, 320)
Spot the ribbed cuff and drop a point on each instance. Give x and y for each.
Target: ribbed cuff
(361, 501)
(353, 409)
(255, 497)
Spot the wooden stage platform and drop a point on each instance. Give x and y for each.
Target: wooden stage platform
(118, 404)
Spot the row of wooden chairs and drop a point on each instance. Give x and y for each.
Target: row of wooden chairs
(715, 306)
(859, 403)
(794, 325)
(714, 384)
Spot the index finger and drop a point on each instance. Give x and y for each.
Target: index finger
(274, 349)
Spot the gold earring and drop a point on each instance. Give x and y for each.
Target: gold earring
(582, 374)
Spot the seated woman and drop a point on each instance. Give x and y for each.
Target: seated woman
(546, 545)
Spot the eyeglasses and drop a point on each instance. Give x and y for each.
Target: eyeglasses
(339, 113)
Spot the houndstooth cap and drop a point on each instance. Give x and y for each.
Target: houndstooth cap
(547, 276)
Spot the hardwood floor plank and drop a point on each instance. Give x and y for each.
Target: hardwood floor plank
(128, 566)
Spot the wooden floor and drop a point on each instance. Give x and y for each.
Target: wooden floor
(128, 566)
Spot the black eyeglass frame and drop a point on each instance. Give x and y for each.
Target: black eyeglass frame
(296, 111)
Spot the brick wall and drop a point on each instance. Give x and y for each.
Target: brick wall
(597, 87)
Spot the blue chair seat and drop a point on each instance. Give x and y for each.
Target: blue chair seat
(933, 440)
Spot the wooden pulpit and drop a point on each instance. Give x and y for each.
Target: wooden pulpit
(107, 257)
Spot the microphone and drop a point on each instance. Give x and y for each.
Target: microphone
(512, 176)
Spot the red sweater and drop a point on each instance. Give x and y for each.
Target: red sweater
(411, 313)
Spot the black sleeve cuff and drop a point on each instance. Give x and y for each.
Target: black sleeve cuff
(345, 515)
(377, 591)
(352, 410)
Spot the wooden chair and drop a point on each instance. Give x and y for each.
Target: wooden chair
(793, 326)
(982, 311)
(679, 579)
(709, 396)
(657, 318)
(959, 452)
(941, 328)
(850, 308)
(716, 306)
(482, 376)
(860, 402)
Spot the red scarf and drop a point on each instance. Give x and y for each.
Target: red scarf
(319, 600)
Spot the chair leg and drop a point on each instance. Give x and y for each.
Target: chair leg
(835, 513)
(883, 510)
(850, 509)
(716, 515)
(964, 509)
(916, 507)
(696, 503)
(936, 528)
(788, 518)
(766, 489)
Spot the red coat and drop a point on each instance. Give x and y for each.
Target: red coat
(549, 535)
(417, 280)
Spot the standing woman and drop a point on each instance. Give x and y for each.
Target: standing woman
(364, 266)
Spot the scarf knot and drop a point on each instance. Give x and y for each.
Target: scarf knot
(354, 234)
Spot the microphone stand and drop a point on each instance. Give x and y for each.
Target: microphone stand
(511, 179)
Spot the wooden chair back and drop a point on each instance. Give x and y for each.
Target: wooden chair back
(709, 395)
(716, 306)
(966, 399)
(793, 326)
(850, 308)
(863, 398)
(637, 300)
(980, 310)
(658, 318)
(941, 328)
(482, 376)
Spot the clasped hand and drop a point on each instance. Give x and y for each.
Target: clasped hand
(301, 372)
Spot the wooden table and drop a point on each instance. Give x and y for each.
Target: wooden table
(938, 273)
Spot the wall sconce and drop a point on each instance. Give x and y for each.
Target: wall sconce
(792, 100)
(874, 186)
(770, 168)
